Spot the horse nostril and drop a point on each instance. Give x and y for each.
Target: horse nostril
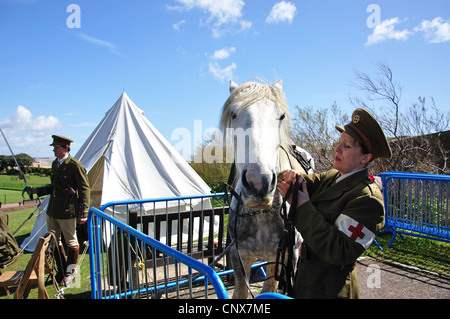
(244, 179)
(273, 183)
(257, 183)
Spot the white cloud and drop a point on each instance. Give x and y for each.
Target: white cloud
(22, 120)
(177, 26)
(435, 31)
(282, 12)
(98, 42)
(222, 74)
(27, 133)
(223, 15)
(95, 41)
(223, 53)
(386, 31)
(226, 73)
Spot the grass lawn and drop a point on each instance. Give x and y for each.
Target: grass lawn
(11, 186)
(82, 282)
(17, 183)
(431, 255)
(11, 196)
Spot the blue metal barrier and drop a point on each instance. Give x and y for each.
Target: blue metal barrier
(117, 272)
(417, 205)
(121, 256)
(272, 295)
(184, 222)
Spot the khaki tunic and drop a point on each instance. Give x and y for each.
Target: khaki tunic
(337, 224)
(8, 244)
(69, 190)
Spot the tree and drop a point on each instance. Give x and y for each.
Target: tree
(312, 131)
(416, 134)
(25, 161)
(8, 162)
(216, 173)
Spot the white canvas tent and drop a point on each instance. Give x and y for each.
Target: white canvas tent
(127, 158)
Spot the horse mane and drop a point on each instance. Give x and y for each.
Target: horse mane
(251, 92)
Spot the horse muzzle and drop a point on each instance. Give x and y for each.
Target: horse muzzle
(258, 188)
(255, 203)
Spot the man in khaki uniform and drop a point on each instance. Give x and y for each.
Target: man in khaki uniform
(69, 202)
(339, 212)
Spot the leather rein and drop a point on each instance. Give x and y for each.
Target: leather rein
(287, 241)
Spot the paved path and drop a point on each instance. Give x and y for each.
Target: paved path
(380, 280)
(383, 281)
(10, 207)
(377, 280)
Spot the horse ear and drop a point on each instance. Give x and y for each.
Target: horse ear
(233, 86)
(279, 84)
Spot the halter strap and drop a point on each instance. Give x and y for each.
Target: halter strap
(299, 157)
(287, 241)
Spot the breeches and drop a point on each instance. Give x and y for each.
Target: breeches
(68, 227)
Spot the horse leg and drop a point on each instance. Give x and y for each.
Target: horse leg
(241, 277)
(270, 284)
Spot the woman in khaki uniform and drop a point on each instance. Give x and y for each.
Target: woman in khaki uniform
(339, 212)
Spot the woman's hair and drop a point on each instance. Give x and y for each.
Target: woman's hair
(364, 148)
(364, 151)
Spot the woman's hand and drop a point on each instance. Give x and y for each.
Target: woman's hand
(81, 220)
(303, 195)
(288, 178)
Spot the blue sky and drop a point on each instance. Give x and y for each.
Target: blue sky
(63, 63)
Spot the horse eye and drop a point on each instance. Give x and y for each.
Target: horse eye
(282, 117)
(233, 115)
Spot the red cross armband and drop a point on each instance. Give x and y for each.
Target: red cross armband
(354, 230)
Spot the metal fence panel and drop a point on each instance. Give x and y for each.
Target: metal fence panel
(417, 205)
(118, 255)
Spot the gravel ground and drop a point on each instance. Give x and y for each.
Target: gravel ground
(385, 281)
(378, 280)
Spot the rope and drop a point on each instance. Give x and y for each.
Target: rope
(28, 219)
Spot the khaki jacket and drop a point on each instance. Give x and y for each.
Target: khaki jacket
(8, 244)
(69, 190)
(337, 224)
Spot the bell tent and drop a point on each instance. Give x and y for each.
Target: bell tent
(127, 158)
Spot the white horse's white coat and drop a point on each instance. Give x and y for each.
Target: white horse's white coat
(259, 117)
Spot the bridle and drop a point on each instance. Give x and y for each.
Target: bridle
(287, 241)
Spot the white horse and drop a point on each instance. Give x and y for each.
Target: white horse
(259, 119)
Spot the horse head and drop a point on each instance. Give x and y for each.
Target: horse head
(259, 119)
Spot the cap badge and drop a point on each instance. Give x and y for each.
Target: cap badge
(356, 119)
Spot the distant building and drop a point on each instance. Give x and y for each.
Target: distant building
(43, 162)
